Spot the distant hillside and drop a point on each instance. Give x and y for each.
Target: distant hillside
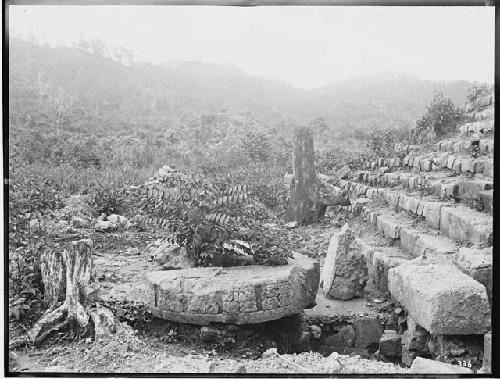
(158, 95)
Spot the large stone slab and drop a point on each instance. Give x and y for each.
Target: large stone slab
(237, 295)
(345, 271)
(470, 189)
(441, 298)
(478, 264)
(464, 224)
(418, 243)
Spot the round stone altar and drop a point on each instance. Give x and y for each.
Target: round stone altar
(237, 295)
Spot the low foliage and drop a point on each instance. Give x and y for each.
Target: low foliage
(478, 91)
(441, 117)
(330, 161)
(381, 142)
(210, 216)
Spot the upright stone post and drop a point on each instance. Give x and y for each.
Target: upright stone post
(304, 191)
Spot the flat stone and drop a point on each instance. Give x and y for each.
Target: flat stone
(345, 271)
(237, 295)
(428, 366)
(441, 298)
(464, 224)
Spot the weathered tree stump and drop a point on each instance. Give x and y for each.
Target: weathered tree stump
(53, 277)
(68, 272)
(304, 192)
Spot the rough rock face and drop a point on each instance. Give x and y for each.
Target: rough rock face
(390, 344)
(172, 257)
(441, 298)
(237, 295)
(463, 224)
(345, 271)
(478, 264)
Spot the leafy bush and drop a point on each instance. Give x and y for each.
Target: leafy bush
(441, 117)
(205, 215)
(478, 91)
(381, 142)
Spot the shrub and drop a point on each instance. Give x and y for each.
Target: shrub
(478, 91)
(381, 142)
(441, 117)
(204, 214)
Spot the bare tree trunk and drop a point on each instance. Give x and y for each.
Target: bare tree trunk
(304, 194)
(69, 272)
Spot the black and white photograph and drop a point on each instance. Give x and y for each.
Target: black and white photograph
(211, 189)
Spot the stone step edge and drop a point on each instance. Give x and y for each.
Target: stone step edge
(451, 303)
(486, 145)
(397, 199)
(415, 243)
(431, 211)
(452, 189)
(445, 161)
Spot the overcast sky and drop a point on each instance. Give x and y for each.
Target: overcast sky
(305, 46)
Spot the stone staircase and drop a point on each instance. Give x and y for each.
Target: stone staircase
(435, 207)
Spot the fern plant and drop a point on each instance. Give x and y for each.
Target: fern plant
(210, 218)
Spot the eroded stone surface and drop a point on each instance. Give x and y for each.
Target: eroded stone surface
(417, 244)
(345, 271)
(238, 295)
(463, 224)
(441, 298)
(478, 264)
